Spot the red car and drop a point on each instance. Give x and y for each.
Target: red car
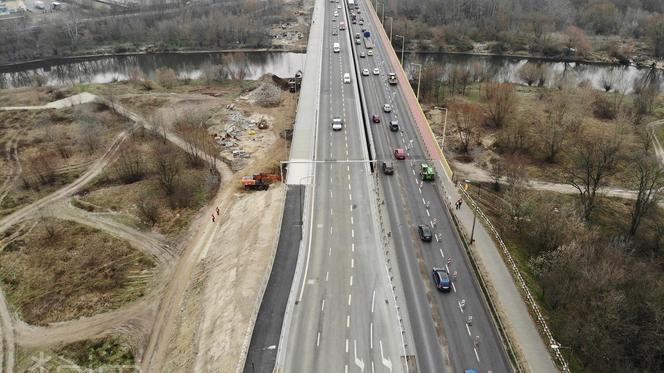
(375, 118)
(399, 153)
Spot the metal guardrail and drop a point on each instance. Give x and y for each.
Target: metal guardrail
(519, 278)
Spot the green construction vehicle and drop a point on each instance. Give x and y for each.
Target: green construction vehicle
(426, 172)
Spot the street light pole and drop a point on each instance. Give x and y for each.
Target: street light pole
(391, 20)
(444, 126)
(403, 43)
(419, 79)
(477, 206)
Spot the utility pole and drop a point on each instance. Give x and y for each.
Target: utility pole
(403, 43)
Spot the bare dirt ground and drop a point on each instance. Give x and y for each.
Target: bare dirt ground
(157, 323)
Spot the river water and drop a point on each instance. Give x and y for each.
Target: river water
(506, 69)
(107, 69)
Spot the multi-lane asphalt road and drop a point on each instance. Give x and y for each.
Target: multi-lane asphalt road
(345, 316)
(457, 343)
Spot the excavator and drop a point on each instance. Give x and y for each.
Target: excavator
(260, 181)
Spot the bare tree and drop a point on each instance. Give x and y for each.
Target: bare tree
(42, 167)
(129, 165)
(148, 208)
(158, 126)
(59, 140)
(501, 103)
(467, 118)
(591, 160)
(166, 77)
(167, 165)
(89, 135)
(517, 197)
(648, 179)
(190, 128)
(516, 137)
(607, 80)
(529, 73)
(563, 120)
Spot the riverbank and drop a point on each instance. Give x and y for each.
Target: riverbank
(48, 62)
(639, 64)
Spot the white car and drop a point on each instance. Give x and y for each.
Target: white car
(370, 52)
(387, 108)
(336, 14)
(338, 6)
(346, 78)
(337, 124)
(376, 71)
(365, 72)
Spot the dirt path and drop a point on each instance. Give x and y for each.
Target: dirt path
(659, 150)
(472, 172)
(150, 243)
(134, 319)
(155, 320)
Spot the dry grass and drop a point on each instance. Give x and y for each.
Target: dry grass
(30, 96)
(32, 131)
(61, 271)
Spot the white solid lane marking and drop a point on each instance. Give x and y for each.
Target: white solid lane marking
(371, 336)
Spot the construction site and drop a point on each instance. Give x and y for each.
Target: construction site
(152, 251)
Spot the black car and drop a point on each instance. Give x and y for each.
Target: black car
(388, 168)
(424, 232)
(441, 279)
(394, 125)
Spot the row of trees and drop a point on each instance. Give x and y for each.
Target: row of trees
(528, 25)
(229, 25)
(597, 262)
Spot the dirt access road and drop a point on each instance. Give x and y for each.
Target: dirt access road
(156, 320)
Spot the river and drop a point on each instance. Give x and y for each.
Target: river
(284, 64)
(115, 68)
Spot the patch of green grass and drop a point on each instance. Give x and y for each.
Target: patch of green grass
(93, 354)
